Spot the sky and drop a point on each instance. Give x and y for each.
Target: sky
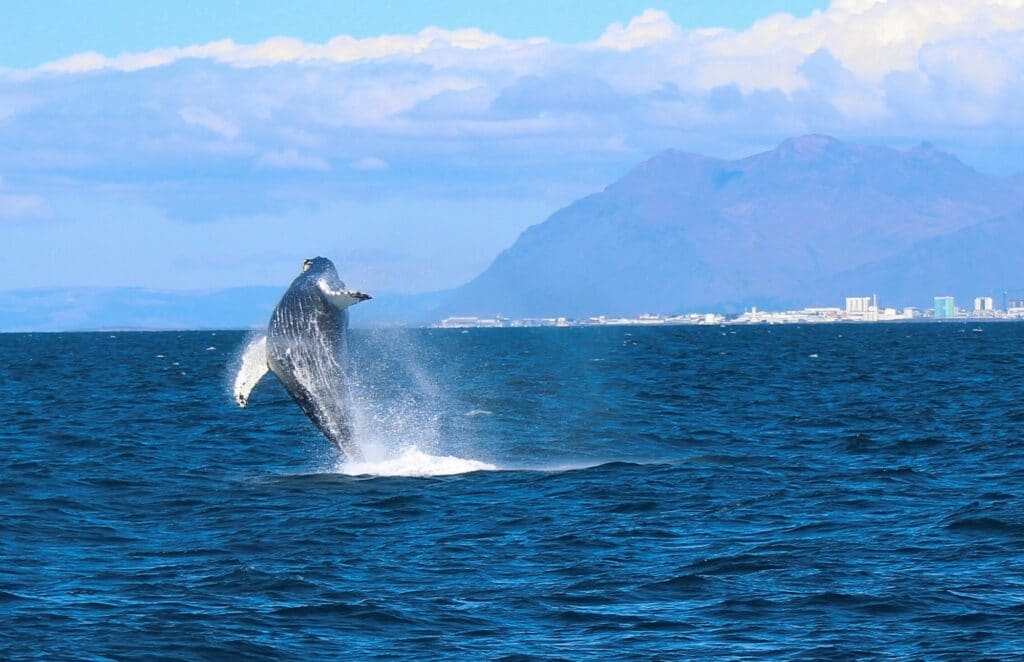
(199, 145)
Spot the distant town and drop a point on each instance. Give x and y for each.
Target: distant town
(857, 309)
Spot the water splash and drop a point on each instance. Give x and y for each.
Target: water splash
(402, 419)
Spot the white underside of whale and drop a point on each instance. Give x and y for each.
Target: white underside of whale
(341, 299)
(254, 366)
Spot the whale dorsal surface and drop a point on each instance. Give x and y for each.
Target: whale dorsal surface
(306, 348)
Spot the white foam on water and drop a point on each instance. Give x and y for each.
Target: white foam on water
(413, 462)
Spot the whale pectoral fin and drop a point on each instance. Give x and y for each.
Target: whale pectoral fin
(254, 366)
(342, 299)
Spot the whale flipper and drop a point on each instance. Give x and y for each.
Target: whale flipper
(341, 299)
(254, 366)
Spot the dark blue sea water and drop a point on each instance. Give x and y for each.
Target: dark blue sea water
(752, 492)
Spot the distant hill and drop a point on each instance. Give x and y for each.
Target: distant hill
(980, 260)
(86, 308)
(797, 225)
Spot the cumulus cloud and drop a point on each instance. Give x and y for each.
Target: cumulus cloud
(472, 110)
(276, 50)
(956, 40)
(649, 28)
(952, 40)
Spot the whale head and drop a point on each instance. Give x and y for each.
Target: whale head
(318, 265)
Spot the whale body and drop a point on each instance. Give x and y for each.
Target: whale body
(305, 346)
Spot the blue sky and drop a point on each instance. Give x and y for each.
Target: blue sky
(204, 145)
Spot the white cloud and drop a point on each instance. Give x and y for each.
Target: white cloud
(369, 163)
(19, 207)
(208, 120)
(276, 50)
(649, 28)
(14, 207)
(92, 61)
(870, 38)
(508, 109)
(289, 159)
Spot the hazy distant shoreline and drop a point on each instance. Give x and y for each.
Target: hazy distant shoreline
(358, 329)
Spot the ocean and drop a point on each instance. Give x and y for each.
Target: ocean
(850, 491)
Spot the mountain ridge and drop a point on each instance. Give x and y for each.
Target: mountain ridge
(682, 232)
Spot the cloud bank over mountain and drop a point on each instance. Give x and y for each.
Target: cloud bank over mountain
(453, 141)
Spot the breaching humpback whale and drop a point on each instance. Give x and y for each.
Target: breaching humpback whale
(305, 347)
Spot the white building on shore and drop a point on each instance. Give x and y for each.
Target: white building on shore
(473, 323)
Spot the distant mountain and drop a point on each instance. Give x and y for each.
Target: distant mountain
(792, 226)
(85, 308)
(980, 260)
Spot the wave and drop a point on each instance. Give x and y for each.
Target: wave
(413, 462)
